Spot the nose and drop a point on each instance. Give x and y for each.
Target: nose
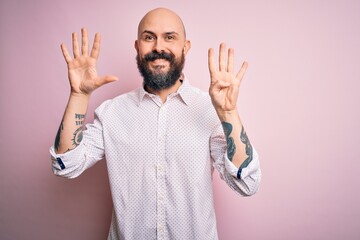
(159, 46)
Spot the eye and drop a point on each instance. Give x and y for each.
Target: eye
(148, 38)
(170, 37)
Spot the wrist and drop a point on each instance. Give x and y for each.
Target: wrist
(227, 115)
(79, 96)
(79, 100)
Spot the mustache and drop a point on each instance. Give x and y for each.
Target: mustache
(162, 55)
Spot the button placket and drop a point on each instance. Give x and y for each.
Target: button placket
(161, 141)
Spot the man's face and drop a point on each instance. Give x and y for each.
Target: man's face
(161, 48)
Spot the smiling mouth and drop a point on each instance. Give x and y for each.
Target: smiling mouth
(159, 61)
(159, 64)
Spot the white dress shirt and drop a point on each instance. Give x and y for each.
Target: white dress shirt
(160, 158)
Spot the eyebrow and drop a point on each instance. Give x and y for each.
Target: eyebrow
(169, 33)
(149, 32)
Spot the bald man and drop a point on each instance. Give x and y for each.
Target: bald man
(162, 140)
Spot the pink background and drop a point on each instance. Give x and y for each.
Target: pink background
(299, 103)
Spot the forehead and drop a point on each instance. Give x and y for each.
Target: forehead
(160, 22)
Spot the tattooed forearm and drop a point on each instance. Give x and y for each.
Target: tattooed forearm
(78, 134)
(230, 141)
(77, 137)
(57, 138)
(248, 148)
(232, 147)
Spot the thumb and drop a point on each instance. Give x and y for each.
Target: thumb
(106, 79)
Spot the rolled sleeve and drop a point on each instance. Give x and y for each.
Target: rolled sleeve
(250, 177)
(70, 164)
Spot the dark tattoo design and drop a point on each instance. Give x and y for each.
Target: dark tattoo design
(77, 136)
(57, 138)
(79, 119)
(232, 147)
(248, 148)
(79, 116)
(230, 141)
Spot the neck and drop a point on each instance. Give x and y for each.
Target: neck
(164, 93)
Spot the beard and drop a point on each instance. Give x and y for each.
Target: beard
(158, 79)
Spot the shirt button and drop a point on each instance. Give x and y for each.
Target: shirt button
(161, 197)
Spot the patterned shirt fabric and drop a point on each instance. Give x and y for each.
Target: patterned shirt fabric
(160, 159)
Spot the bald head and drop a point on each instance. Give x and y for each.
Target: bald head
(162, 19)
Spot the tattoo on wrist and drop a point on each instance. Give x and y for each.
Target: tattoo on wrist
(57, 138)
(248, 148)
(230, 141)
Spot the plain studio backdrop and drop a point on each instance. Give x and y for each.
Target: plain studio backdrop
(299, 102)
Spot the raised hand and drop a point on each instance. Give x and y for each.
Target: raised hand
(224, 86)
(82, 68)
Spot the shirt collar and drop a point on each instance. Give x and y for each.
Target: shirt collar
(184, 92)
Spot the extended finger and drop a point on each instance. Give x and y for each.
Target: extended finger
(222, 57)
(109, 78)
(75, 45)
(230, 66)
(96, 46)
(211, 62)
(65, 53)
(242, 71)
(84, 42)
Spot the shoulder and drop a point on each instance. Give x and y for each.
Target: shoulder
(200, 103)
(199, 92)
(122, 101)
(199, 96)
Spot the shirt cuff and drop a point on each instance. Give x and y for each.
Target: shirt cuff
(63, 161)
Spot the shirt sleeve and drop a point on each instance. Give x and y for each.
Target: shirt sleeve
(250, 176)
(90, 150)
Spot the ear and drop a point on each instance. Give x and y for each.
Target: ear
(187, 46)
(136, 46)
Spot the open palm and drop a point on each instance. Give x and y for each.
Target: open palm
(82, 72)
(224, 86)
